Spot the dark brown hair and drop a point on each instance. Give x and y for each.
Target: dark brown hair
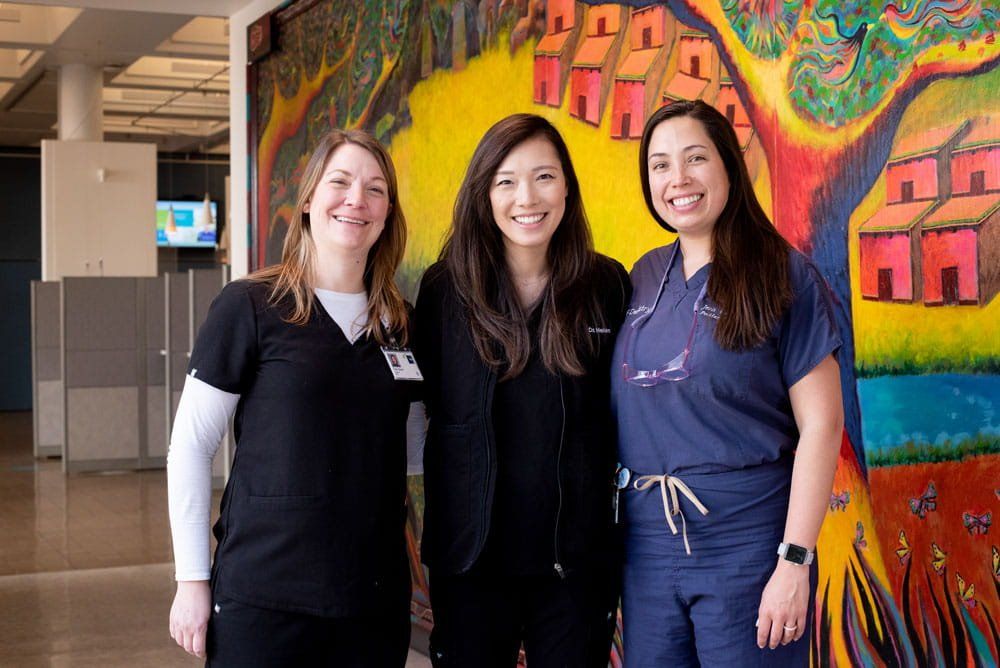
(475, 258)
(749, 279)
(387, 316)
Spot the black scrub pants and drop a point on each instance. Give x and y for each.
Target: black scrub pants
(480, 620)
(245, 636)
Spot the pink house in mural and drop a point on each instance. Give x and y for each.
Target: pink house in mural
(920, 167)
(890, 252)
(554, 52)
(728, 102)
(975, 163)
(595, 60)
(961, 251)
(697, 68)
(638, 78)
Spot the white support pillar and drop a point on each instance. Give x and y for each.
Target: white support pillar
(81, 104)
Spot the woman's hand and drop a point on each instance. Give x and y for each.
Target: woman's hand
(189, 615)
(781, 618)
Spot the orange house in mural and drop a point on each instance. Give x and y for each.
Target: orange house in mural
(890, 252)
(920, 168)
(638, 78)
(938, 237)
(728, 102)
(961, 251)
(554, 52)
(697, 68)
(975, 162)
(595, 61)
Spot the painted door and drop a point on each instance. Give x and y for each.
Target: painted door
(949, 285)
(626, 125)
(647, 38)
(695, 66)
(581, 107)
(885, 285)
(906, 191)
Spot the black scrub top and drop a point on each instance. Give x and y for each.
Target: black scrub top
(312, 519)
(528, 425)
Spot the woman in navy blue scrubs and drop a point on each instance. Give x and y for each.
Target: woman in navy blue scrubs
(727, 396)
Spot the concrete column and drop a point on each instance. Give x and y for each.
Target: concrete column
(81, 102)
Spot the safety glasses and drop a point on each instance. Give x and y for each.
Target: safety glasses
(677, 368)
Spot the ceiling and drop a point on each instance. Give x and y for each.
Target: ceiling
(166, 74)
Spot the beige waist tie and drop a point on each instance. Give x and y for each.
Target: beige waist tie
(670, 505)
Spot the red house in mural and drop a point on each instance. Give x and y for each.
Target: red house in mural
(975, 163)
(961, 251)
(697, 68)
(595, 60)
(554, 52)
(638, 78)
(920, 167)
(890, 252)
(728, 102)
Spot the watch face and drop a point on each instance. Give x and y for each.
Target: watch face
(796, 553)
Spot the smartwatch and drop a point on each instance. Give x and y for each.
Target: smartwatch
(796, 554)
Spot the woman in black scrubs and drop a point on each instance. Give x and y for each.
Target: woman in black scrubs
(311, 567)
(515, 328)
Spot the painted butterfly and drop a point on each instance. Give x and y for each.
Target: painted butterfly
(925, 503)
(939, 557)
(978, 523)
(966, 593)
(859, 535)
(840, 501)
(903, 551)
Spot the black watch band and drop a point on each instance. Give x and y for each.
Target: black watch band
(795, 553)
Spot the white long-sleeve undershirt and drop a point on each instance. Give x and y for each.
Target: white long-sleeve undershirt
(203, 415)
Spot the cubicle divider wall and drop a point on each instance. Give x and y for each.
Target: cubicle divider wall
(46, 368)
(189, 297)
(110, 356)
(104, 373)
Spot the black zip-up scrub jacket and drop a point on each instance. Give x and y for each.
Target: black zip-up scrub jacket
(460, 452)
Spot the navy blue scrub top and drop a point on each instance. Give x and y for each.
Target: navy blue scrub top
(733, 410)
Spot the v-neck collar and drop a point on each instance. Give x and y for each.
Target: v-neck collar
(328, 320)
(675, 278)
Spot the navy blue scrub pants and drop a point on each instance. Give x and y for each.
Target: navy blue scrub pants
(683, 610)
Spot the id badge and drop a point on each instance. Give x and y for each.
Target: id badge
(402, 363)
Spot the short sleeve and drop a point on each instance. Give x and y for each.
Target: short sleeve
(808, 330)
(225, 350)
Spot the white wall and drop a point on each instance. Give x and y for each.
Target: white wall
(238, 110)
(98, 209)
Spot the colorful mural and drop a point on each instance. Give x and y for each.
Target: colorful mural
(870, 129)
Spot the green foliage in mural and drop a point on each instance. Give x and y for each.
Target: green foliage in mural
(851, 54)
(764, 28)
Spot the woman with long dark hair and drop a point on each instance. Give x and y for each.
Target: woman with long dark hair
(729, 411)
(515, 329)
(311, 565)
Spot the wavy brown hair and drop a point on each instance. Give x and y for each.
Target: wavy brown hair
(749, 278)
(293, 276)
(475, 258)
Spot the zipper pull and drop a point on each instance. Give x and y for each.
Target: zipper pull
(559, 570)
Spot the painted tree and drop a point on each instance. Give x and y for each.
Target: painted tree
(825, 83)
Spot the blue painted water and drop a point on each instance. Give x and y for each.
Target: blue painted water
(927, 409)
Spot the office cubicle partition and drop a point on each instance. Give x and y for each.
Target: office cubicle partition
(46, 368)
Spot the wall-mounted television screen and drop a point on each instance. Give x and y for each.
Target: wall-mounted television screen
(188, 224)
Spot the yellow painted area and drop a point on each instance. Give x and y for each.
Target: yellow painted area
(451, 111)
(886, 334)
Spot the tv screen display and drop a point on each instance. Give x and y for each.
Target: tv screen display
(188, 224)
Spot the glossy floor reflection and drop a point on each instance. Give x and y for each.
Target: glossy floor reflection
(85, 563)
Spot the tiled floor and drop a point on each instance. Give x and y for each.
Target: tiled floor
(85, 572)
